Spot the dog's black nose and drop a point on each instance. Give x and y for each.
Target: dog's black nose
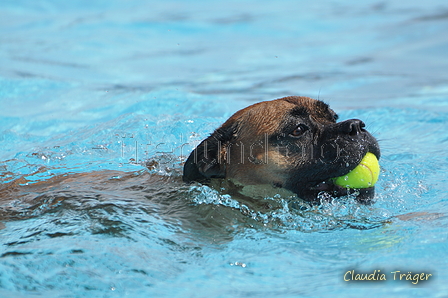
(352, 127)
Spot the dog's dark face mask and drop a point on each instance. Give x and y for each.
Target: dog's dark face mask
(293, 142)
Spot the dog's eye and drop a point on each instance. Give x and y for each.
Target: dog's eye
(299, 130)
(335, 117)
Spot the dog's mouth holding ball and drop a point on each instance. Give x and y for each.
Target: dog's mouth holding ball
(359, 180)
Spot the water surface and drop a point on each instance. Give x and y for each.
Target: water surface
(100, 103)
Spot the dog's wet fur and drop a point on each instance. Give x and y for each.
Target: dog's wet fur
(292, 143)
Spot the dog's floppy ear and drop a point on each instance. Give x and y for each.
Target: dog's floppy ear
(208, 160)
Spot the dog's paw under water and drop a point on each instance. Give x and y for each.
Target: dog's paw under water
(292, 213)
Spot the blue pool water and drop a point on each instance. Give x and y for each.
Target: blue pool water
(101, 101)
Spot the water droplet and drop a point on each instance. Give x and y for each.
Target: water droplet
(243, 265)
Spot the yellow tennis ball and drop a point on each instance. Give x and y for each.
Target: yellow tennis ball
(363, 176)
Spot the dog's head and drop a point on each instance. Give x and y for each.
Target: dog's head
(293, 142)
